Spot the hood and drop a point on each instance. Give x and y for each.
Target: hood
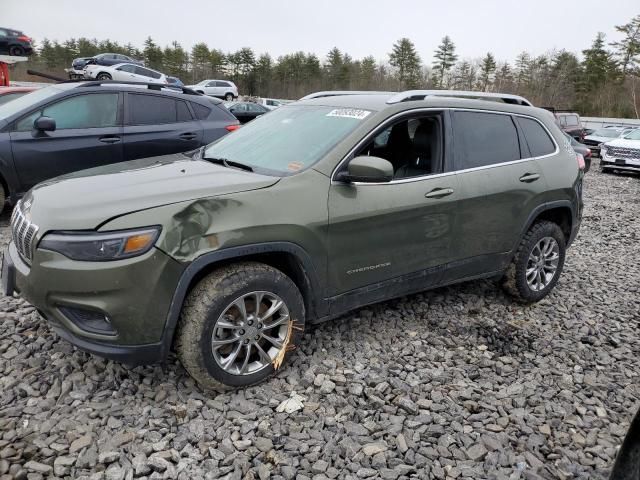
(596, 138)
(624, 143)
(85, 199)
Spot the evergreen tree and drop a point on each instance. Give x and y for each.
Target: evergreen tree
(445, 58)
(487, 69)
(334, 68)
(152, 54)
(407, 63)
(628, 49)
(598, 64)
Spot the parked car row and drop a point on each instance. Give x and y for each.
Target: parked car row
(73, 126)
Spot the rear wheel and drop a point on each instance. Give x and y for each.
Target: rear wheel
(537, 265)
(16, 51)
(239, 325)
(229, 97)
(104, 76)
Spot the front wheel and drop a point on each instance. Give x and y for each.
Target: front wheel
(537, 265)
(103, 76)
(229, 97)
(239, 325)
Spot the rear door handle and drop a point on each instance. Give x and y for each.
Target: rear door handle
(439, 193)
(112, 139)
(529, 177)
(188, 136)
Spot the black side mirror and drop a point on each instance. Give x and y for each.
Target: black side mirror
(44, 124)
(627, 466)
(367, 170)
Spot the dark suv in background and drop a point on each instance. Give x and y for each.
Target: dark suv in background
(320, 207)
(74, 126)
(14, 42)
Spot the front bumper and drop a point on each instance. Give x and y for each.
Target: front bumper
(618, 164)
(133, 294)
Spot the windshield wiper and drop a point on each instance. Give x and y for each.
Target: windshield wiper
(227, 163)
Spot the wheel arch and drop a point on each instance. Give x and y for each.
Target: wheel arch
(560, 212)
(287, 257)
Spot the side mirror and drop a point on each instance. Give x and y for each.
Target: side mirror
(44, 124)
(367, 170)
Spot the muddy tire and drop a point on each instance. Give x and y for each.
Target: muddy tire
(537, 264)
(239, 325)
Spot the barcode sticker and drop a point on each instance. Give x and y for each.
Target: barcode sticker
(349, 113)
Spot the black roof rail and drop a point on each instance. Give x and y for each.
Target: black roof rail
(150, 86)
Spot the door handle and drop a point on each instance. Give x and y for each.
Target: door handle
(439, 193)
(109, 139)
(188, 136)
(529, 177)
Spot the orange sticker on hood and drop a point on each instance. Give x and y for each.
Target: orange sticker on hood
(295, 166)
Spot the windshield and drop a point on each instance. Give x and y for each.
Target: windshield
(25, 101)
(606, 132)
(633, 135)
(289, 139)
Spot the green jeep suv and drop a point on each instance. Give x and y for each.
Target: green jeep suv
(320, 207)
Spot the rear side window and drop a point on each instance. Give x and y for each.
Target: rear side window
(147, 73)
(201, 111)
(151, 109)
(483, 139)
(536, 136)
(222, 84)
(184, 115)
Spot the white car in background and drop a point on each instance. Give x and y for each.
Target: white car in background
(622, 153)
(600, 136)
(270, 103)
(128, 72)
(224, 89)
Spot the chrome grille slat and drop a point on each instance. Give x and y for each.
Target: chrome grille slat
(624, 152)
(23, 233)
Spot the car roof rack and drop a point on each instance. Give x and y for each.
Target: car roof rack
(150, 86)
(411, 95)
(338, 93)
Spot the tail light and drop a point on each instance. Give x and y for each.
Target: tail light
(580, 159)
(24, 38)
(231, 128)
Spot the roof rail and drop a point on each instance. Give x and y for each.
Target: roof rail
(338, 93)
(411, 95)
(150, 86)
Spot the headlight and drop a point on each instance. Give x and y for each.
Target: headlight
(603, 149)
(101, 246)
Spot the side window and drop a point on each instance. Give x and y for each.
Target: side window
(211, 84)
(82, 111)
(482, 139)
(536, 136)
(413, 146)
(184, 115)
(145, 72)
(151, 109)
(3, 33)
(222, 84)
(127, 68)
(201, 111)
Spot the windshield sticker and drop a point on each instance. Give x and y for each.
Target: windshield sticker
(349, 113)
(295, 166)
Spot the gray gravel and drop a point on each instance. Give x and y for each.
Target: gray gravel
(459, 382)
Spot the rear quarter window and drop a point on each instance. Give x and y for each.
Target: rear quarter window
(483, 139)
(151, 109)
(536, 136)
(201, 111)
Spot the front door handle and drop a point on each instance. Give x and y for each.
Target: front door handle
(529, 177)
(439, 193)
(188, 136)
(112, 139)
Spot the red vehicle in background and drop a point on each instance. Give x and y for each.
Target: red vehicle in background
(10, 93)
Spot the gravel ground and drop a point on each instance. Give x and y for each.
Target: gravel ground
(459, 382)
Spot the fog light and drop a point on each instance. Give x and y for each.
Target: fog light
(89, 320)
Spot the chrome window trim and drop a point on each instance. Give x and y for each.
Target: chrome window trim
(443, 174)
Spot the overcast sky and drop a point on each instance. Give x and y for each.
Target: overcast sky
(359, 27)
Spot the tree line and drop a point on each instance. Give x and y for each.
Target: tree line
(604, 82)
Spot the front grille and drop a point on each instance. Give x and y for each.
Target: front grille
(593, 143)
(622, 152)
(23, 232)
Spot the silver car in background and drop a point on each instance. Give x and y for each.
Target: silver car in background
(225, 89)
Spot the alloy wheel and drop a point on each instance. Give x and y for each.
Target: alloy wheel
(250, 333)
(542, 264)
